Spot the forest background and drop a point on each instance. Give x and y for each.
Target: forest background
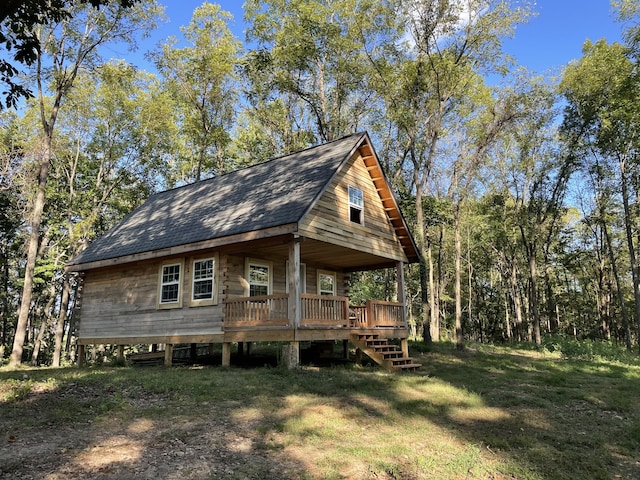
(521, 192)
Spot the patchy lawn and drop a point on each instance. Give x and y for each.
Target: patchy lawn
(488, 412)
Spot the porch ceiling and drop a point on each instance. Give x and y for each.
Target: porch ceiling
(326, 255)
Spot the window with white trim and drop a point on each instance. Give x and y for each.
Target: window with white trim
(326, 283)
(356, 205)
(259, 278)
(203, 280)
(170, 284)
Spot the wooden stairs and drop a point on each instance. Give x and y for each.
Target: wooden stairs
(385, 354)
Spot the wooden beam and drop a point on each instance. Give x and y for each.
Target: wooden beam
(191, 247)
(168, 354)
(226, 354)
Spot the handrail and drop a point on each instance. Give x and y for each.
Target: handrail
(263, 310)
(316, 311)
(324, 310)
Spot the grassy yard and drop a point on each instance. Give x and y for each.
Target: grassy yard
(488, 412)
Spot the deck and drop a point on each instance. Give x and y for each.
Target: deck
(316, 312)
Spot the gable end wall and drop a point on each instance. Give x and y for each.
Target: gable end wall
(329, 220)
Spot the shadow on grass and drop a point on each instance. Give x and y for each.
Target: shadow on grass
(488, 415)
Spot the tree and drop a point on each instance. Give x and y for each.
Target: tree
(426, 82)
(68, 46)
(201, 81)
(310, 66)
(602, 114)
(19, 20)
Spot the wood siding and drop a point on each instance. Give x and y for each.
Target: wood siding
(329, 220)
(122, 302)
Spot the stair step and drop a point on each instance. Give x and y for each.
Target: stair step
(384, 348)
(407, 366)
(390, 355)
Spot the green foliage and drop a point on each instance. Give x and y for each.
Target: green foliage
(587, 349)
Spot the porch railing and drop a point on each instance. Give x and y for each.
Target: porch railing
(319, 311)
(324, 311)
(259, 311)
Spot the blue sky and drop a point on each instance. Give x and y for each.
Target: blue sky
(544, 45)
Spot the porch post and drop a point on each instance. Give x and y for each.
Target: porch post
(82, 356)
(168, 355)
(294, 282)
(226, 354)
(400, 290)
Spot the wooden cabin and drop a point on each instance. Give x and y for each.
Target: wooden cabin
(261, 254)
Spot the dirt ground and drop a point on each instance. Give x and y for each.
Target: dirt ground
(134, 441)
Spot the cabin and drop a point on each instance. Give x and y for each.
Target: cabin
(262, 254)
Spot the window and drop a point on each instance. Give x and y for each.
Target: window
(326, 283)
(170, 284)
(259, 278)
(203, 273)
(356, 205)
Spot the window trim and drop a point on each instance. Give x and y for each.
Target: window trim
(335, 282)
(259, 263)
(194, 302)
(353, 205)
(180, 282)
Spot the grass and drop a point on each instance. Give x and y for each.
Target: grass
(487, 412)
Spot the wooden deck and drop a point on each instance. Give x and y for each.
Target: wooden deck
(265, 319)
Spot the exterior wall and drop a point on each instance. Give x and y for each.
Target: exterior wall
(329, 219)
(122, 301)
(235, 283)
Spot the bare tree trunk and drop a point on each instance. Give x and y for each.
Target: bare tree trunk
(62, 317)
(632, 251)
(434, 308)
(458, 281)
(32, 254)
(616, 277)
(533, 300)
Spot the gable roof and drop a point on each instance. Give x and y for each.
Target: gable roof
(270, 194)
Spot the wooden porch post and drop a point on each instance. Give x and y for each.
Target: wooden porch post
(226, 354)
(291, 355)
(294, 283)
(168, 355)
(82, 357)
(404, 345)
(400, 290)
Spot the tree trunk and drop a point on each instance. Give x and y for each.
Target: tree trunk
(62, 317)
(458, 284)
(517, 302)
(616, 277)
(632, 251)
(533, 300)
(32, 254)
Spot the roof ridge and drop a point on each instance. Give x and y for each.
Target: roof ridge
(247, 167)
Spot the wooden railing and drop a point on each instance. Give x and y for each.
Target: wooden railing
(260, 311)
(377, 313)
(324, 311)
(316, 311)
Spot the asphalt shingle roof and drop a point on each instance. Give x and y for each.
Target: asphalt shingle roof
(270, 194)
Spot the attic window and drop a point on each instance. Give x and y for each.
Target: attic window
(356, 205)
